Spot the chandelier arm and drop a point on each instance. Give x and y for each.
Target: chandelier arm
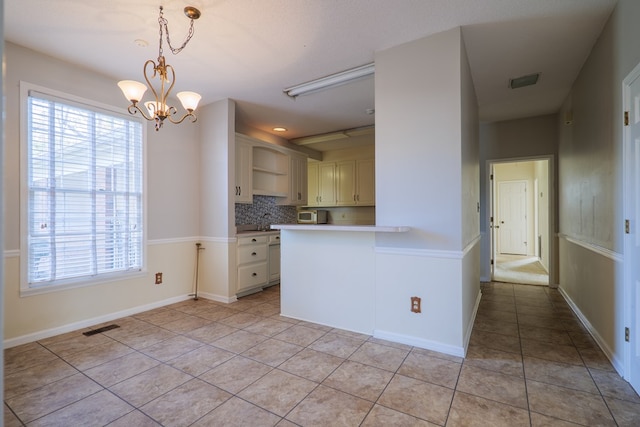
(133, 109)
(146, 77)
(192, 117)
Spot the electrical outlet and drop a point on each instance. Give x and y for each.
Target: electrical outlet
(158, 278)
(415, 304)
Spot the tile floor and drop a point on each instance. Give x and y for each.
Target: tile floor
(200, 363)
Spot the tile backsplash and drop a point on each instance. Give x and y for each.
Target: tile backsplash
(264, 211)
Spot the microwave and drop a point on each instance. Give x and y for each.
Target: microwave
(312, 216)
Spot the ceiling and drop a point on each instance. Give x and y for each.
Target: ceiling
(250, 50)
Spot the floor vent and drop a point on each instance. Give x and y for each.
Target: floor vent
(100, 330)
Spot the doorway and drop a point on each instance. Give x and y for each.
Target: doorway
(520, 221)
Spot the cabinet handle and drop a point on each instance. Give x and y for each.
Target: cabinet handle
(254, 274)
(253, 254)
(354, 197)
(253, 240)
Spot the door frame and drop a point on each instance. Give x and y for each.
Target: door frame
(490, 212)
(628, 200)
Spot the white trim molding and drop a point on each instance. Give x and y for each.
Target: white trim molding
(429, 253)
(608, 253)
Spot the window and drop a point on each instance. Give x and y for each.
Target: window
(84, 193)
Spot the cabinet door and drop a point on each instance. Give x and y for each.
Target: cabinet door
(327, 184)
(313, 193)
(298, 189)
(244, 172)
(346, 183)
(366, 182)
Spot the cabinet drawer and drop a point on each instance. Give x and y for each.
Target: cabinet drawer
(274, 239)
(252, 275)
(252, 240)
(252, 253)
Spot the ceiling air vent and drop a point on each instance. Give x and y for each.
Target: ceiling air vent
(523, 81)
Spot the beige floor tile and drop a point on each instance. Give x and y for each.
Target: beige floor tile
(10, 419)
(268, 326)
(595, 358)
(325, 406)
(494, 360)
(496, 341)
(238, 413)
(567, 404)
(431, 369)
(496, 327)
(379, 416)
(560, 374)
(163, 317)
(45, 400)
(278, 391)
(493, 385)
(150, 384)
(240, 320)
(216, 313)
(500, 316)
(554, 336)
(540, 321)
(211, 332)
(171, 348)
(312, 365)
(553, 352)
(185, 404)
(236, 374)
(77, 344)
(540, 420)
(437, 354)
(120, 369)
(140, 339)
(417, 398)
(201, 360)
(134, 418)
(300, 335)
(469, 411)
(97, 355)
(265, 309)
(390, 343)
(186, 324)
(96, 410)
(272, 352)
(364, 381)
(336, 345)
(239, 341)
(626, 414)
(612, 385)
(36, 376)
(379, 356)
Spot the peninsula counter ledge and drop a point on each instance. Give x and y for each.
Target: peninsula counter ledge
(328, 273)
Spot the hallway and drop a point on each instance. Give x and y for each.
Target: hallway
(201, 363)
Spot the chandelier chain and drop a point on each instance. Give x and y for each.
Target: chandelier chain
(164, 24)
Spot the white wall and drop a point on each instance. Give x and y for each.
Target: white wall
(590, 193)
(172, 209)
(427, 178)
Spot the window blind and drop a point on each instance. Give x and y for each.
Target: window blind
(85, 192)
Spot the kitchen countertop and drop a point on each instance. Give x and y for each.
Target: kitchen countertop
(258, 232)
(334, 227)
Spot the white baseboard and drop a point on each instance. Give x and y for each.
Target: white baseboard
(617, 364)
(421, 343)
(217, 298)
(87, 323)
(472, 321)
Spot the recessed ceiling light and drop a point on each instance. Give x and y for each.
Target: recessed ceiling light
(523, 81)
(280, 129)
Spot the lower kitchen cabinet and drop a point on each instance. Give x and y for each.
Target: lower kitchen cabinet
(253, 264)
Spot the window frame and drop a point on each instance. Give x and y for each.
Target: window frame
(63, 284)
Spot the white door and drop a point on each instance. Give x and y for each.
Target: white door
(512, 217)
(632, 230)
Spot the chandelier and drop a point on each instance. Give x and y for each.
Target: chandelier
(159, 109)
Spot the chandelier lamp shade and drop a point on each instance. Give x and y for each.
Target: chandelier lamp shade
(161, 78)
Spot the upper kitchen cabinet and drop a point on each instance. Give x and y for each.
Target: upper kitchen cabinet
(355, 182)
(244, 170)
(270, 172)
(298, 193)
(322, 184)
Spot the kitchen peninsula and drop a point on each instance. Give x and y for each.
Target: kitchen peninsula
(316, 283)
